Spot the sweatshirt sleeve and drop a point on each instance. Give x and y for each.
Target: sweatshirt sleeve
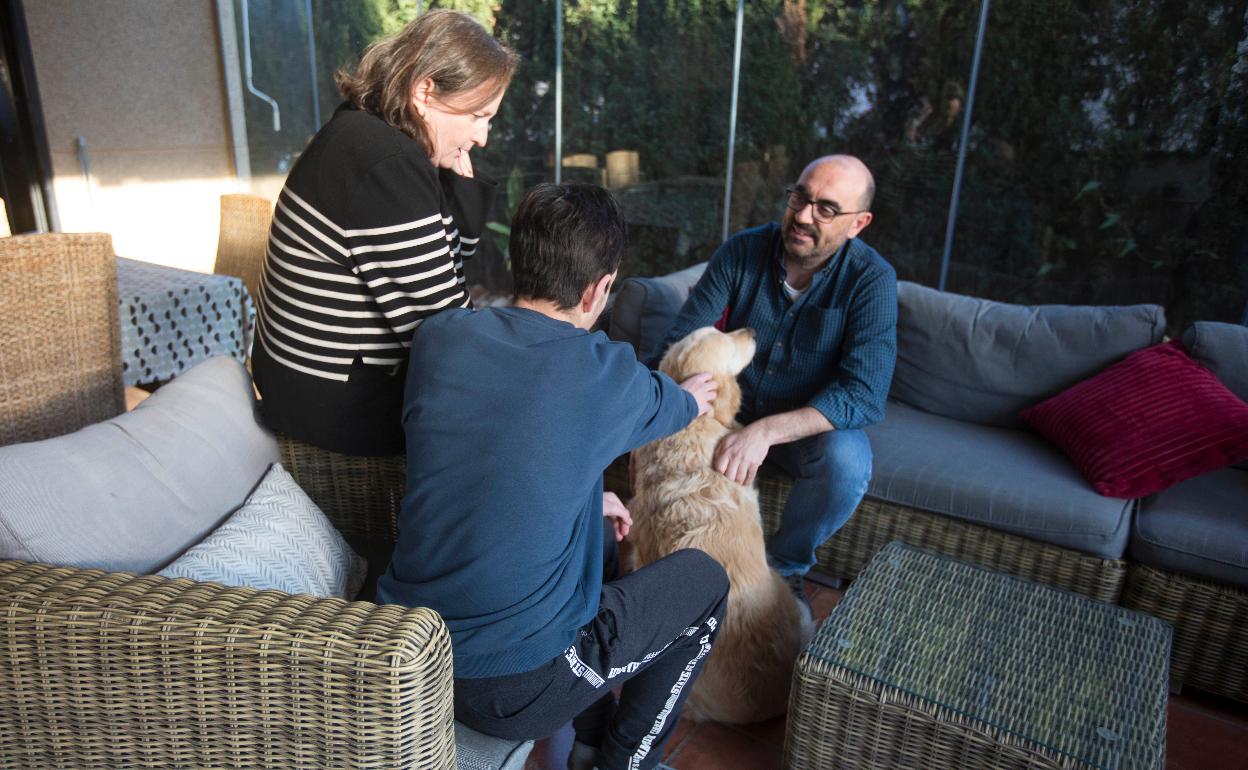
(470, 199)
(651, 404)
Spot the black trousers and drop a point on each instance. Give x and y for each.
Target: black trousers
(652, 633)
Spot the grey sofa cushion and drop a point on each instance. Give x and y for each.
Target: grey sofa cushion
(278, 540)
(134, 492)
(1000, 478)
(1223, 349)
(478, 751)
(645, 308)
(984, 362)
(1199, 528)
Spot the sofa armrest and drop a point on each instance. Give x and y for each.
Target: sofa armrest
(105, 669)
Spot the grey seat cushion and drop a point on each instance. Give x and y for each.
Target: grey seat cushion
(984, 362)
(645, 308)
(1199, 528)
(132, 493)
(1000, 478)
(478, 751)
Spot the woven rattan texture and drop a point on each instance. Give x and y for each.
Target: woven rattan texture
(108, 670)
(360, 495)
(60, 344)
(877, 523)
(1210, 627)
(933, 662)
(243, 239)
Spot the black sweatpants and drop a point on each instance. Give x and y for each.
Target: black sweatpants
(653, 630)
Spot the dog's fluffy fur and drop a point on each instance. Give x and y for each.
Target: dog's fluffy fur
(681, 501)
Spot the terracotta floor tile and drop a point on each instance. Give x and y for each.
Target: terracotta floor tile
(684, 730)
(823, 600)
(771, 731)
(715, 747)
(1200, 737)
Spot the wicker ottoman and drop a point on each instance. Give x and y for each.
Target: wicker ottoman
(935, 663)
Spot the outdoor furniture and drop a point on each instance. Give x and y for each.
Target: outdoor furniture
(60, 367)
(105, 668)
(243, 238)
(932, 662)
(171, 319)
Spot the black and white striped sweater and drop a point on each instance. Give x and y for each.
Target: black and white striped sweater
(368, 239)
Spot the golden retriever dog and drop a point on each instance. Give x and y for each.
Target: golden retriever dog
(681, 501)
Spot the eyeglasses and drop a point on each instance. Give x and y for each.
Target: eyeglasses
(823, 211)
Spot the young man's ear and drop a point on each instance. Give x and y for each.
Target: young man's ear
(595, 297)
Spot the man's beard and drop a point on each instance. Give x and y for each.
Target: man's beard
(811, 255)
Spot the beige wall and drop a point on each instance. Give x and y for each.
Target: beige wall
(141, 81)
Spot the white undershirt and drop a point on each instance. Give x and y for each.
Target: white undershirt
(790, 292)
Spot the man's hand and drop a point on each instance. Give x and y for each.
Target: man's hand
(739, 453)
(704, 389)
(614, 510)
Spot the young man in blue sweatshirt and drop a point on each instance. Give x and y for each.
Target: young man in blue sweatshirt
(511, 416)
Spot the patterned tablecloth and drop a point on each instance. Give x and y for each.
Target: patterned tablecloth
(171, 319)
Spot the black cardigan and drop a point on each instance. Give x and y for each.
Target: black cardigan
(368, 239)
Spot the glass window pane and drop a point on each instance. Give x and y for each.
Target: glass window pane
(520, 147)
(647, 90)
(883, 82)
(1108, 158)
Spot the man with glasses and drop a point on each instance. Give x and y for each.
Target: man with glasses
(824, 307)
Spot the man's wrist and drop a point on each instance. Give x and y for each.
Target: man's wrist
(763, 430)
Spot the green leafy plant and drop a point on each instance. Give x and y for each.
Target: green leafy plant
(502, 230)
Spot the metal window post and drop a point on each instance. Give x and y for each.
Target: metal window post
(966, 132)
(732, 118)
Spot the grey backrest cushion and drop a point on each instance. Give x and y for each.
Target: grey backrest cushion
(983, 362)
(645, 308)
(1223, 349)
(132, 493)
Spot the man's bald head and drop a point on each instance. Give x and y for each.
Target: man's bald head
(830, 204)
(855, 169)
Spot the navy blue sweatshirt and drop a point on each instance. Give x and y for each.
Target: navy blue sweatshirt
(511, 417)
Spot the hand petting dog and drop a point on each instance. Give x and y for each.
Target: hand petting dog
(614, 510)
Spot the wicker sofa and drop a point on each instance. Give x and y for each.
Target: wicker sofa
(955, 472)
(103, 666)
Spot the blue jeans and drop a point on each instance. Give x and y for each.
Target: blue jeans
(830, 472)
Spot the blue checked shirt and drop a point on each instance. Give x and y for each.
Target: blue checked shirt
(833, 349)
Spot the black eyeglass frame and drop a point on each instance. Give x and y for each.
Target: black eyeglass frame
(792, 192)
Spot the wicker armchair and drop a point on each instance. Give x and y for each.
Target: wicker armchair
(243, 238)
(110, 670)
(60, 342)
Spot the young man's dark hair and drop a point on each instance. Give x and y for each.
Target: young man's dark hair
(565, 237)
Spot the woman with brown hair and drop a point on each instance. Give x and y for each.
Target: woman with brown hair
(370, 232)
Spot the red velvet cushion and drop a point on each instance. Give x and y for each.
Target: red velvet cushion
(1146, 423)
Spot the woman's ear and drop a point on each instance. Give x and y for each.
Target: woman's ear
(421, 95)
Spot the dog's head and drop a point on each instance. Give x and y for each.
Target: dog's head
(723, 355)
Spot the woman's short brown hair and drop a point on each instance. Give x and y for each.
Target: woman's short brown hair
(448, 47)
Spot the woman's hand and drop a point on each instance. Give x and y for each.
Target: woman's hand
(462, 164)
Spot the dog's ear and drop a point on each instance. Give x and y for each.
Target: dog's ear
(676, 363)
